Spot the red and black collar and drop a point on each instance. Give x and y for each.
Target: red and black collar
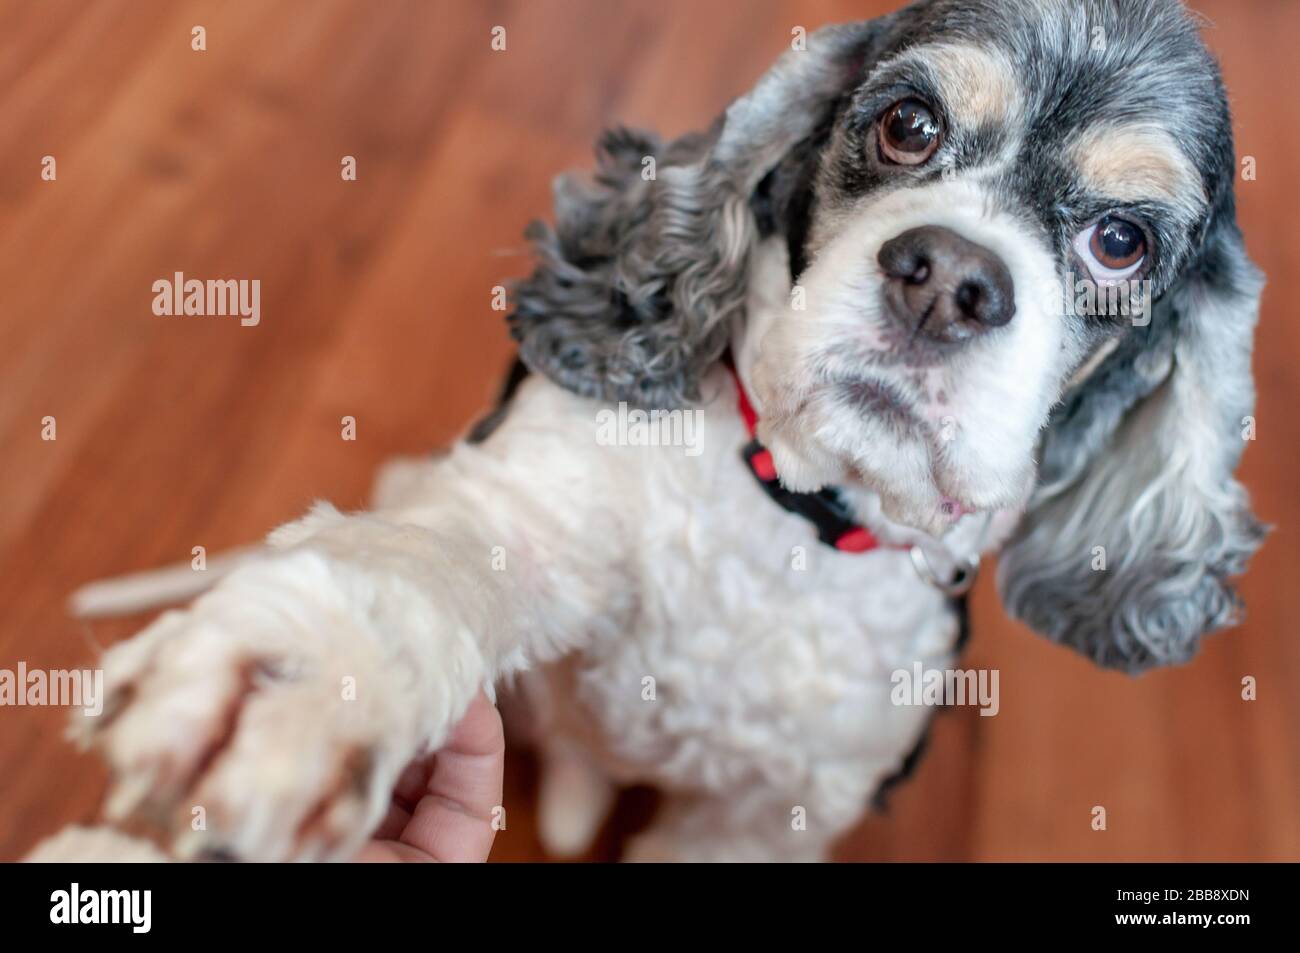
(826, 509)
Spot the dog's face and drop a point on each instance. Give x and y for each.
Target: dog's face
(995, 167)
(1015, 282)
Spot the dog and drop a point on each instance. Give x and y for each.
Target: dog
(960, 280)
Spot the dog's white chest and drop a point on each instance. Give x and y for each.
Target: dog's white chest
(758, 654)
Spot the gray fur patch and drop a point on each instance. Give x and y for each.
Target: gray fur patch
(638, 280)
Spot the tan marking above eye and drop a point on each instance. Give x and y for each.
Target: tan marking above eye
(1138, 163)
(977, 86)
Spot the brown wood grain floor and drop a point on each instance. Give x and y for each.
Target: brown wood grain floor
(376, 294)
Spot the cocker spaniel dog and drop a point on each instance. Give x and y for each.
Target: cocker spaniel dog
(964, 279)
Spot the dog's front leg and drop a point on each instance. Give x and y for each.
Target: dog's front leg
(271, 719)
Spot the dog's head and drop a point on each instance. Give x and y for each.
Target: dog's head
(1015, 282)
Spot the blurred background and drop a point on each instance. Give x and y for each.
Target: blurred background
(174, 433)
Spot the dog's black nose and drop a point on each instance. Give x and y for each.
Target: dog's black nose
(945, 287)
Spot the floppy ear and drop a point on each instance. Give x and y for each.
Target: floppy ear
(1127, 548)
(638, 280)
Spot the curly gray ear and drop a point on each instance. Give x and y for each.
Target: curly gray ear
(1130, 540)
(638, 280)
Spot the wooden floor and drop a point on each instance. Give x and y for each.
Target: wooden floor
(173, 433)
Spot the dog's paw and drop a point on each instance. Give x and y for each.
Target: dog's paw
(267, 722)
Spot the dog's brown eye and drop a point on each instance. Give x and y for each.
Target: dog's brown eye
(1117, 244)
(909, 132)
(1113, 249)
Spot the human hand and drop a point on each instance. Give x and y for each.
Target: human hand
(443, 804)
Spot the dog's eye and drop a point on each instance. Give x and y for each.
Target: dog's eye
(909, 132)
(1113, 249)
